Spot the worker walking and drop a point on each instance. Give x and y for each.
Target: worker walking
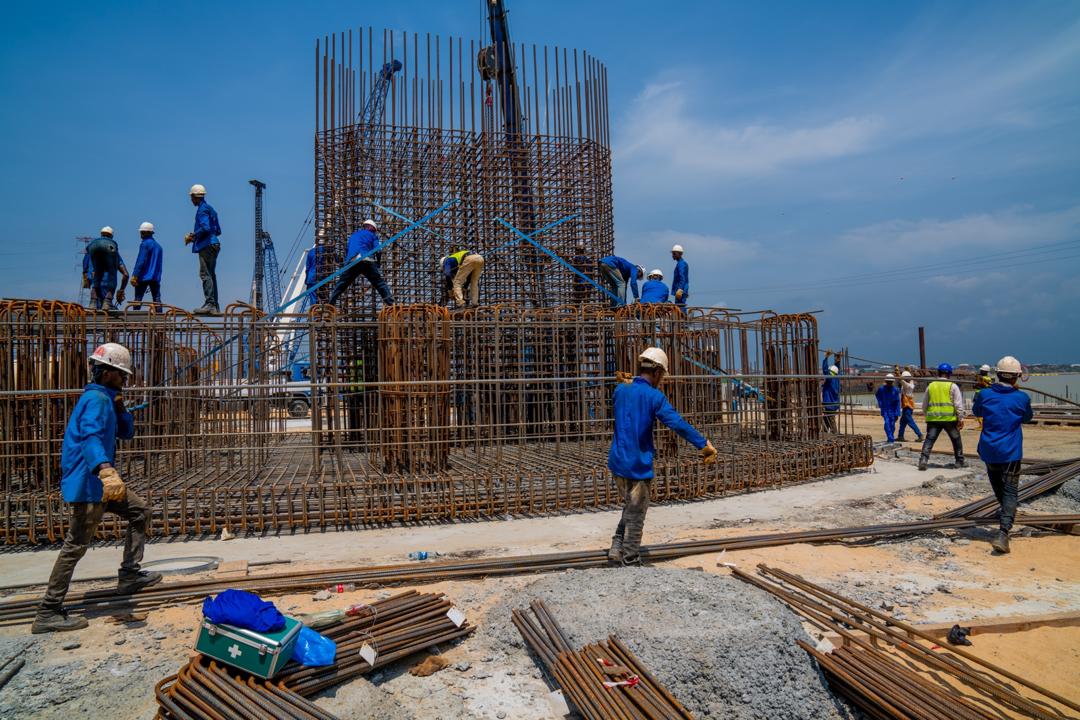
(638, 403)
(617, 273)
(146, 275)
(680, 280)
(362, 242)
(459, 269)
(654, 290)
(92, 486)
(205, 243)
(943, 406)
(888, 401)
(907, 407)
(830, 393)
(1003, 409)
(106, 262)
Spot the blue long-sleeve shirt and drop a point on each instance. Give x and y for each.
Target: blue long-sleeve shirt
(888, 400)
(311, 264)
(830, 388)
(148, 264)
(361, 242)
(87, 268)
(627, 270)
(89, 441)
(654, 291)
(1003, 409)
(681, 279)
(206, 229)
(637, 406)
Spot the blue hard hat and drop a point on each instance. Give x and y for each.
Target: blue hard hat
(944, 368)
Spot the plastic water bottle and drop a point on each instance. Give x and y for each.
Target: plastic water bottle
(418, 555)
(341, 588)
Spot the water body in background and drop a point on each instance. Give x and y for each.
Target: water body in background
(1064, 385)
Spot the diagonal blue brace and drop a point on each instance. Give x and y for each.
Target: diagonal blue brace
(529, 238)
(428, 230)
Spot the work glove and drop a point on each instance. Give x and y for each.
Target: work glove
(134, 281)
(708, 453)
(189, 238)
(678, 294)
(112, 487)
(623, 377)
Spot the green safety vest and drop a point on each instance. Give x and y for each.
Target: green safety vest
(940, 408)
(459, 256)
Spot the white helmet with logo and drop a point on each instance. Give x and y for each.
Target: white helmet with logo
(114, 355)
(654, 357)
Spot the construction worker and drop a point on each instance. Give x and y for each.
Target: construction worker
(638, 403)
(654, 290)
(680, 281)
(312, 262)
(1003, 409)
(830, 393)
(146, 275)
(619, 272)
(92, 486)
(943, 406)
(362, 242)
(983, 380)
(204, 243)
(888, 401)
(106, 261)
(907, 407)
(460, 269)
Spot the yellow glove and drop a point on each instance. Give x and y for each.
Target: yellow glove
(189, 238)
(112, 487)
(134, 281)
(678, 294)
(708, 453)
(623, 377)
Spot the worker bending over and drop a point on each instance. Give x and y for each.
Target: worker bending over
(907, 407)
(460, 269)
(888, 401)
(1003, 409)
(106, 262)
(146, 275)
(619, 272)
(654, 290)
(92, 487)
(204, 243)
(680, 280)
(638, 404)
(830, 393)
(362, 243)
(944, 409)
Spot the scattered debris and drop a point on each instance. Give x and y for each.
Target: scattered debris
(429, 666)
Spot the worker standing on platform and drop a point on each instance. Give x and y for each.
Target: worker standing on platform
(944, 409)
(907, 407)
(363, 242)
(830, 393)
(92, 486)
(619, 272)
(146, 275)
(1003, 409)
(106, 261)
(638, 404)
(459, 269)
(205, 243)
(680, 281)
(312, 262)
(654, 290)
(888, 401)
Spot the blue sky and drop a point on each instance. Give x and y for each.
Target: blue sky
(891, 164)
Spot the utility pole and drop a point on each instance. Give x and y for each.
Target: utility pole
(922, 348)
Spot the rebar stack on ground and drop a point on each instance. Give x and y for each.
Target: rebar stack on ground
(890, 669)
(988, 506)
(630, 692)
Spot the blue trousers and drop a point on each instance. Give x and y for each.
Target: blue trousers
(369, 270)
(890, 426)
(907, 421)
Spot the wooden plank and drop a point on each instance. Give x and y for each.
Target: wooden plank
(232, 569)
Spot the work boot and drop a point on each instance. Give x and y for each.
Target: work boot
(959, 463)
(56, 621)
(632, 560)
(614, 554)
(1001, 542)
(204, 310)
(922, 463)
(128, 584)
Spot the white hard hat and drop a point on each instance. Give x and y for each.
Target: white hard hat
(107, 231)
(640, 270)
(890, 376)
(113, 355)
(372, 223)
(984, 369)
(1010, 365)
(147, 227)
(654, 357)
(197, 189)
(657, 273)
(905, 374)
(834, 370)
(441, 261)
(676, 248)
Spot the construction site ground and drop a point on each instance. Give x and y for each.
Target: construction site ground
(109, 669)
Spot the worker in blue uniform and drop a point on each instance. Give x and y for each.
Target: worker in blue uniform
(680, 281)
(830, 393)
(146, 275)
(362, 243)
(106, 261)
(888, 401)
(654, 290)
(638, 403)
(1003, 409)
(313, 262)
(617, 273)
(92, 486)
(205, 243)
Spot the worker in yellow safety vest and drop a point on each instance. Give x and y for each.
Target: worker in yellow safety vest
(944, 409)
(460, 269)
(982, 381)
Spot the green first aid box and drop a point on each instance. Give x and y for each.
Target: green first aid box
(262, 654)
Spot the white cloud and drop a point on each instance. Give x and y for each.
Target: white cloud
(700, 247)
